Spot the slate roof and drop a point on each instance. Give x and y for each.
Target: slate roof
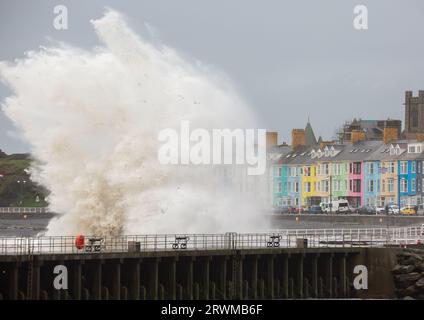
(359, 151)
(301, 155)
(383, 152)
(370, 150)
(310, 139)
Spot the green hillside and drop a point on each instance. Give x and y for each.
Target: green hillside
(12, 193)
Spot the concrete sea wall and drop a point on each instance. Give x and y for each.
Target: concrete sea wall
(291, 273)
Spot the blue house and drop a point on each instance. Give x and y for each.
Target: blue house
(371, 183)
(287, 185)
(407, 182)
(294, 185)
(279, 176)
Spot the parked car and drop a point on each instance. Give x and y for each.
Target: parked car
(281, 209)
(393, 209)
(353, 209)
(315, 209)
(380, 210)
(408, 209)
(366, 210)
(291, 209)
(336, 206)
(298, 210)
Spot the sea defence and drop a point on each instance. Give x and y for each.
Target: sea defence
(228, 266)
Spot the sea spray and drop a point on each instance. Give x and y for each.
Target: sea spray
(92, 119)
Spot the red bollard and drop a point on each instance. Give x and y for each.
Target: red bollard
(79, 241)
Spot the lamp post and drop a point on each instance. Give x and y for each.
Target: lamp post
(21, 184)
(330, 179)
(387, 225)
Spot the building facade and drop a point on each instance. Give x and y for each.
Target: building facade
(371, 184)
(365, 173)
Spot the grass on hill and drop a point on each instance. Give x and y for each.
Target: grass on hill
(12, 193)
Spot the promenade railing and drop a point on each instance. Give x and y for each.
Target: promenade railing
(23, 210)
(300, 238)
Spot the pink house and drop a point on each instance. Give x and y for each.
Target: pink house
(355, 194)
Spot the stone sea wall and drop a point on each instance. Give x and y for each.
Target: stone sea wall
(408, 274)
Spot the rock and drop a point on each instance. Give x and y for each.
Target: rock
(405, 280)
(413, 276)
(408, 274)
(420, 284)
(408, 269)
(419, 251)
(420, 267)
(397, 269)
(409, 291)
(409, 261)
(414, 256)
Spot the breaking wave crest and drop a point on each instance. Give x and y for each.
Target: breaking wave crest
(92, 119)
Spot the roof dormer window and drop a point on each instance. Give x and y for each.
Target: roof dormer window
(414, 148)
(398, 151)
(392, 150)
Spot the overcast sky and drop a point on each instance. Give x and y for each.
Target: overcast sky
(290, 59)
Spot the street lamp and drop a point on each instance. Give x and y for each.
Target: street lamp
(331, 193)
(21, 183)
(333, 218)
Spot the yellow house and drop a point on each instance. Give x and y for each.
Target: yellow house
(388, 182)
(322, 180)
(309, 179)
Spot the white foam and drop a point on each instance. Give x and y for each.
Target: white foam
(92, 120)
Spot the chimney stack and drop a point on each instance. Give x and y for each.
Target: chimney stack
(298, 138)
(390, 134)
(271, 139)
(356, 136)
(420, 137)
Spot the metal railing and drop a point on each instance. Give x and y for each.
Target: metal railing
(315, 238)
(23, 210)
(392, 233)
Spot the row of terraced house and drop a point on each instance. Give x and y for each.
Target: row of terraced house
(366, 173)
